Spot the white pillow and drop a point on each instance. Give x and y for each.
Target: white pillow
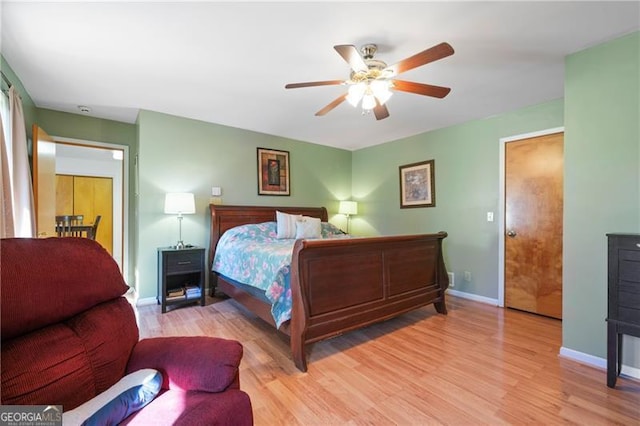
(308, 227)
(112, 406)
(286, 224)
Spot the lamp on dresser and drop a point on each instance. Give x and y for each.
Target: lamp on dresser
(179, 203)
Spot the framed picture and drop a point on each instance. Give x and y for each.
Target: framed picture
(273, 172)
(417, 185)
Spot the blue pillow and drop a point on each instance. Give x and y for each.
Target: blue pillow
(329, 230)
(112, 406)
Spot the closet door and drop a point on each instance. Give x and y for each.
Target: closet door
(90, 197)
(64, 195)
(93, 196)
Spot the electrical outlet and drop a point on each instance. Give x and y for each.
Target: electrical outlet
(452, 281)
(467, 276)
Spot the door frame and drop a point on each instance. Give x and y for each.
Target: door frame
(125, 190)
(502, 201)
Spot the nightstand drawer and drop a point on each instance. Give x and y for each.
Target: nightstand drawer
(182, 262)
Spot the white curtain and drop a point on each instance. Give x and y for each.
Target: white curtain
(18, 216)
(6, 209)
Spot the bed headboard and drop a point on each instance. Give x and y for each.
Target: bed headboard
(227, 217)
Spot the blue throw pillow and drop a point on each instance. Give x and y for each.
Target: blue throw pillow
(112, 406)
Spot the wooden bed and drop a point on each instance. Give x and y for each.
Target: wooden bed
(341, 284)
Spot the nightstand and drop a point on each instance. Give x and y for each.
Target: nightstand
(180, 276)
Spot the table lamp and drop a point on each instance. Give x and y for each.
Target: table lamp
(348, 208)
(179, 203)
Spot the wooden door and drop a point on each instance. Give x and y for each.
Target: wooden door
(44, 184)
(64, 195)
(93, 196)
(533, 224)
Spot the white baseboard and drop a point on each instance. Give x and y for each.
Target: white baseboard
(146, 301)
(472, 296)
(582, 357)
(596, 361)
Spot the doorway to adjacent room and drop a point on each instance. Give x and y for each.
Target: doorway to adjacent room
(96, 167)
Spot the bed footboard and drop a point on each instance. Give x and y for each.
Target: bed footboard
(341, 285)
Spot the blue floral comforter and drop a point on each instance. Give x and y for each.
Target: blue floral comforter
(251, 254)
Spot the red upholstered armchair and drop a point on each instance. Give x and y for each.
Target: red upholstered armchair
(68, 335)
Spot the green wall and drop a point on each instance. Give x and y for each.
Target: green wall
(183, 155)
(28, 106)
(602, 183)
(87, 128)
(467, 187)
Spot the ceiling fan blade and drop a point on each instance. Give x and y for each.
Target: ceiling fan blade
(380, 111)
(434, 53)
(332, 105)
(421, 89)
(314, 83)
(350, 54)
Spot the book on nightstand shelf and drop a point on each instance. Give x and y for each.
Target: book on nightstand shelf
(176, 293)
(193, 292)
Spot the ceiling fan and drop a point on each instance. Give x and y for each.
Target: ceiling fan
(371, 80)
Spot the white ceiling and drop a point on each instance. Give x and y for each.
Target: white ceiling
(228, 62)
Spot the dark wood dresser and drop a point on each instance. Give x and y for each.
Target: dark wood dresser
(623, 314)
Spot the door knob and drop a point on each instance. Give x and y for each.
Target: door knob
(511, 233)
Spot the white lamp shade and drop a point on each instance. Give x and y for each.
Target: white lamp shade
(368, 102)
(355, 93)
(348, 207)
(380, 89)
(179, 203)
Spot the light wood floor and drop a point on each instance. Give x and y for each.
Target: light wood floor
(478, 365)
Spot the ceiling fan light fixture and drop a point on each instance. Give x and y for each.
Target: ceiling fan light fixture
(384, 97)
(380, 89)
(355, 93)
(368, 102)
